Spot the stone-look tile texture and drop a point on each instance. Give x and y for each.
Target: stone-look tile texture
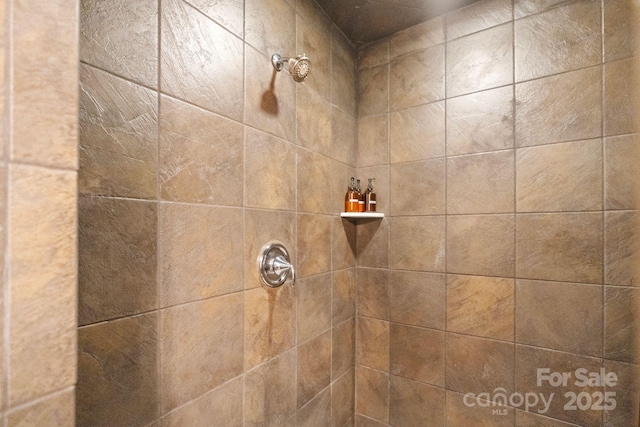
(502, 232)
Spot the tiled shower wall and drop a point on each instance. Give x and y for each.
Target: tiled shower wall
(193, 154)
(506, 158)
(38, 233)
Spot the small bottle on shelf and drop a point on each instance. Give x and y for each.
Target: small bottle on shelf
(352, 198)
(370, 197)
(360, 198)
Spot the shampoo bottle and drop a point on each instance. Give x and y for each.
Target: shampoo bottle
(370, 197)
(361, 197)
(352, 198)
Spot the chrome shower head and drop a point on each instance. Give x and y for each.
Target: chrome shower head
(299, 67)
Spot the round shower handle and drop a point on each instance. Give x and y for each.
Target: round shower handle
(275, 265)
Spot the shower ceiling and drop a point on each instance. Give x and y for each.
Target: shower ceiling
(364, 21)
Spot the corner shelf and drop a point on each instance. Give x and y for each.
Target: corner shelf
(362, 215)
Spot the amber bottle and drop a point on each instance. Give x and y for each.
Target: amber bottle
(370, 198)
(361, 197)
(352, 198)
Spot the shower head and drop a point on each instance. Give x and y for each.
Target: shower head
(299, 67)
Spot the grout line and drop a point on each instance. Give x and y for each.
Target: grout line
(446, 214)
(515, 197)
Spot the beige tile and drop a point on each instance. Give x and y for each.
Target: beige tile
(372, 243)
(416, 38)
(270, 26)
(620, 104)
(195, 265)
(373, 91)
(481, 245)
(343, 73)
(314, 306)
(621, 175)
(480, 122)
(373, 140)
(313, 14)
(223, 404)
(343, 295)
(186, 67)
(492, 365)
(559, 108)
(228, 13)
(362, 421)
(343, 399)
(44, 79)
(314, 176)
(417, 299)
(380, 174)
(544, 319)
(343, 243)
(314, 244)
(373, 54)
(560, 177)
(564, 247)
(413, 404)
(622, 324)
(314, 367)
(269, 323)
(627, 394)
(372, 395)
(472, 66)
(270, 392)
(418, 243)
(417, 79)
(121, 37)
(417, 133)
(417, 188)
(529, 360)
(118, 136)
(201, 345)
(340, 180)
(261, 227)
(117, 372)
(344, 138)
(270, 99)
(117, 258)
(42, 281)
(622, 249)
(528, 419)
(200, 156)
(313, 113)
(372, 343)
(478, 16)
(373, 293)
(481, 183)
(57, 410)
(619, 40)
(343, 345)
(317, 413)
(315, 42)
(417, 353)
(524, 8)
(481, 306)
(267, 184)
(469, 412)
(545, 43)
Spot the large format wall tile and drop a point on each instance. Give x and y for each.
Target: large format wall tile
(480, 122)
(416, 38)
(471, 67)
(193, 264)
(117, 258)
(57, 409)
(314, 244)
(201, 347)
(118, 136)
(190, 42)
(373, 140)
(459, 413)
(314, 367)
(317, 413)
(481, 183)
(481, 306)
(417, 243)
(372, 55)
(121, 37)
(560, 177)
(417, 353)
(200, 156)
(543, 320)
(372, 399)
(314, 173)
(316, 44)
(564, 247)
(313, 120)
(372, 346)
(313, 306)
(344, 147)
(413, 404)
(343, 242)
(270, 26)
(621, 174)
(343, 74)
(620, 102)
(417, 133)
(477, 16)
(559, 108)
(622, 324)
(343, 295)
(119, 375)
(417, 298)
(343, 399)
(627, 394)
(372, 244)
(622, 248)
(228, 13)
(619, 30)
(417, 188)
(41, 250)
(562, 39)
(417, 79)
(373, 293)
(343, 348)
(373, 91)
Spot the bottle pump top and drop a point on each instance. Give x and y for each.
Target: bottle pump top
(370, 186)
(352, 186)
